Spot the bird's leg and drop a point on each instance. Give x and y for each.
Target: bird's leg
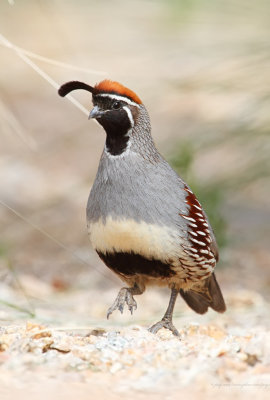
(166, 321)
(125, 295)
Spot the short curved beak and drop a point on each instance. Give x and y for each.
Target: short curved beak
(95, 113)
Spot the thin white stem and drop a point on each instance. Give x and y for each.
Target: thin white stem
(9, 118)
(52, 61)
(43, 74)
(53, 239)
(52, 82)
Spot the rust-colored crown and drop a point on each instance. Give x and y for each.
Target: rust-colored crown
(106, 86)
(112, 87)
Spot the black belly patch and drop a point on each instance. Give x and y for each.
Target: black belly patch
(131, 264)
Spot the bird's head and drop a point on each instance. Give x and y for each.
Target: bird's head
(116, 108)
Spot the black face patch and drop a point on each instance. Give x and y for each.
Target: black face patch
(131, 264)
(115, 122)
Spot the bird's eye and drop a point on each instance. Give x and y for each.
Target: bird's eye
(116, 105)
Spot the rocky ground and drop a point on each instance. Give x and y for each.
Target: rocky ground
(61, 353)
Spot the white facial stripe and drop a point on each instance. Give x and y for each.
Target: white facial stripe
(130, 117)
(120, 98)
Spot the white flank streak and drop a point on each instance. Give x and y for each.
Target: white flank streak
(193, 233)
(129, 113)
(195, 255)
(199, 215)
(204, 262)
(200, 259)
(193, 225)
(124, 235)
(120, 98)
(197, 241)
(201, 233)
(204, 251)
(198, 208)
(188, 218)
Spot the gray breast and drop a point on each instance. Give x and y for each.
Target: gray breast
(131, 187)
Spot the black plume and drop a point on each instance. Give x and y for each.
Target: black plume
(74, 85)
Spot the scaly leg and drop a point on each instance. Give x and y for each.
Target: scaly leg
(125, 295)
(166, 321)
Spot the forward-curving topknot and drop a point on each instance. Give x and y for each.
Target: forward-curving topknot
(68, 87)
(112, 87)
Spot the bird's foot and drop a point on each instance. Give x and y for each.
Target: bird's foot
(164, 323)
(124, 296)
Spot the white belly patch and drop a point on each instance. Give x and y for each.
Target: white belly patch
(126, 235)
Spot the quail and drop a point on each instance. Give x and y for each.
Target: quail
(143, 220)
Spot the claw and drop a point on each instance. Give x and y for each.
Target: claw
(124, 296)
(164, 323)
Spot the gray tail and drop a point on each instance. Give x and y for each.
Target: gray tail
(203, 295)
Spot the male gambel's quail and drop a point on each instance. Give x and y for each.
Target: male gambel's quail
(144, 222)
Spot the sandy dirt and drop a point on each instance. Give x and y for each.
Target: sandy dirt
(70, 355)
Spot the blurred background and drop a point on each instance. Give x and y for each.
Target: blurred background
(202, 69)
